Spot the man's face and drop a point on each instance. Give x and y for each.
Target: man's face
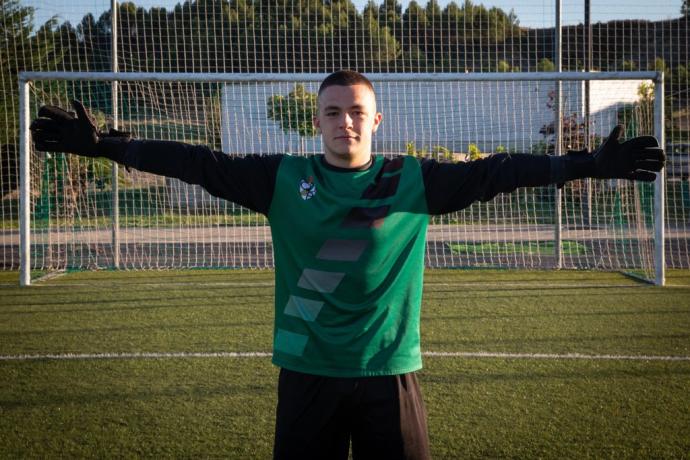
(347, 118)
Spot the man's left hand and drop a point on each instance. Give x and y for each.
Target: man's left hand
(636, 159)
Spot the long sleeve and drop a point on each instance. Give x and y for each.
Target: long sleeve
(246, 180)
(453, 186)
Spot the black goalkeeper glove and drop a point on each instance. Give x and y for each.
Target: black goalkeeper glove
(635, 159)
(56, 130)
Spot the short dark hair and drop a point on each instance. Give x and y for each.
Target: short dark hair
(345, 78)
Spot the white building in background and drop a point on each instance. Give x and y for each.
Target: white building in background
(448, 114)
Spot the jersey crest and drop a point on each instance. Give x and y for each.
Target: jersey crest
(307, 188)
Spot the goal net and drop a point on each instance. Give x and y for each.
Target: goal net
(86, 214)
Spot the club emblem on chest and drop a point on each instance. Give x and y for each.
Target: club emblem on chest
(307, 188)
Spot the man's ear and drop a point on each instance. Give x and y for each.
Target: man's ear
(377, 121)
(317, 125)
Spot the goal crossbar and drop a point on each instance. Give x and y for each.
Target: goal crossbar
(375, 77)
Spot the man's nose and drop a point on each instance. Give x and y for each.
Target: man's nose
(346, 120)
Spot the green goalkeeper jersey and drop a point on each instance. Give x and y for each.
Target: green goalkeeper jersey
(348, 245)
(349, 254)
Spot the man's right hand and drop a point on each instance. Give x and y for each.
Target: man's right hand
(57, 130)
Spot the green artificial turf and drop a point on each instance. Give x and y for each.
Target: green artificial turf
(479, 407)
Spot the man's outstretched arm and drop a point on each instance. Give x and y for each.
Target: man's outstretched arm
(246, 180)
(454, 186)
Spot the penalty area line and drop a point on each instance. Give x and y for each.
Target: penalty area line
(262, 354)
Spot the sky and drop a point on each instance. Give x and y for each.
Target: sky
(531, 13)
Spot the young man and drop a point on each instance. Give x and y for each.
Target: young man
(349, 231)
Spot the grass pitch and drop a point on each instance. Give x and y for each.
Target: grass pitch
(479, 407)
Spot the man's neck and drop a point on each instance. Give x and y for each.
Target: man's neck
(332, 167)
(345, 162)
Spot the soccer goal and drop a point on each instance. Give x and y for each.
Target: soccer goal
(86, 214)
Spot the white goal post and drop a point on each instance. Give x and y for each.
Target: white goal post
(494, 112)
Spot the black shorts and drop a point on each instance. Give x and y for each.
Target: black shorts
(317, 416)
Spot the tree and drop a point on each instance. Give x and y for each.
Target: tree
(452, 14)
(473, 152)
(629, 65)
(432, 10)
(295, 112)
(659, 65)
(390, 14)
(638, 118)
(379, 45)
(546, 65)
(489, 25)
(685, 9)
(20, 49)
(503, 66)
(413, 37)
(573, 135)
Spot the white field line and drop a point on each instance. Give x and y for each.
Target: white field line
(49, 276)
(485, 354)
(261, 354)
(133, 283)
(88, 356)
